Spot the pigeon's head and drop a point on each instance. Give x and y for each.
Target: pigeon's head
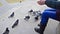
(7, 29)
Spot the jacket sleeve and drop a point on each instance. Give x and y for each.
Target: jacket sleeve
(53, 4)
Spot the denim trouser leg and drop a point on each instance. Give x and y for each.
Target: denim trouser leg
(48, 13)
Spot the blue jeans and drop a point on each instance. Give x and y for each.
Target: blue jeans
(48, 13)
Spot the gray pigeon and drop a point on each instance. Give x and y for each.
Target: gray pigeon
(30, 11)
(27, 18)
(12, 15)
(36, 18)
(6, 31)
(16, 23)
(34, 13)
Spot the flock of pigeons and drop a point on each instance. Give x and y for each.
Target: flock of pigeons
(35, 13)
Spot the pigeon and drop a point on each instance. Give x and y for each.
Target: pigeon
(12, 15)
(30, 11)
(27, 17)
(39, 12)
(36, 18)
(6, 31)
(34, 13)
(16, 23)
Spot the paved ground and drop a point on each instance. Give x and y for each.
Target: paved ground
(24, 27)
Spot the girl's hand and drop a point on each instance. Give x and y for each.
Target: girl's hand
(41, 2)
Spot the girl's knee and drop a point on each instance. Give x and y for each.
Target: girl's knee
(45, 12)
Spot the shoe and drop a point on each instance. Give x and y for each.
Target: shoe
(41, 28)
(38, 30)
